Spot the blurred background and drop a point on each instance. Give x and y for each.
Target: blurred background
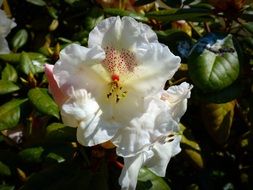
(37, 152)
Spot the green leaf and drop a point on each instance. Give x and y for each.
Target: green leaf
(10, 113)
(37, 2)
(213, 63)
(32, 154)
(55, 157)
(15, 57)
(189, 14)
(7, 187)
(4, 169)
(59, 132)
(26, 65)
(7, 87)
(249, 26)
(9, 73)
(71, 1)
(19, 39)
(43, 102)
(147, 176)
(218, 119)
(222, 96)
(190, 147)
(120, 12)
(95, 16)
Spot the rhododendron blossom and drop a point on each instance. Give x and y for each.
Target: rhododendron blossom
(113, 90)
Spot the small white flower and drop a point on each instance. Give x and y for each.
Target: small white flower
(123, 64)
(6, 25)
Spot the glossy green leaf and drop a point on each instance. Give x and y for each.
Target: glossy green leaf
(146, 176)
(7, 187)
(43, 102)
(249, 26)
(26, 65)
(9, 73)
(191, 147)
(218, 120)
(94, 18)
(32, 154)
(37, 2)
(4, 170)
(55, 157)
(71, 1)
(222, 96)
(247, 15)
(10, 113)
(189, 14)
(19, 39)
(7, 87)
(120, 12)
(59, 132)
(15, 57)
(53, 12)
(213, 63)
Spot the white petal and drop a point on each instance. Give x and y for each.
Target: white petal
(176, 97)
(80, 107)
(145, 129)
(80, 68)
(162, 154)
(156, 65)
(123, 33)
(83, 112)
(96, 132)
(4, 48)
(129, 174)
(6, 24)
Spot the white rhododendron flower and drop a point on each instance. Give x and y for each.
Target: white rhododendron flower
(113, 90)
(123, 64)
(6, 25)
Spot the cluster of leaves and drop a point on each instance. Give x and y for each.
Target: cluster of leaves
(214, 40)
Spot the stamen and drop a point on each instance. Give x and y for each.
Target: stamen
(116, 91)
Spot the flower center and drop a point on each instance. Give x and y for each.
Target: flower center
(118, 63)
(116, 92)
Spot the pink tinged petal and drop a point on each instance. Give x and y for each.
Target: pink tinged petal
(129, 174)
(156, 64)
(58, 95)
(176, 97)
(80, 68)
